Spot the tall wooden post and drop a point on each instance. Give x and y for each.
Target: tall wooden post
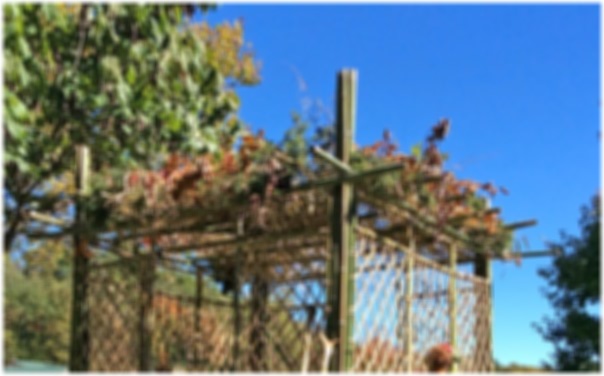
(236, 305)
(410, 265)
(146, 265)
(453, 300)
(198, 302)
(80, 334)
(482, 269)
(259, 318)
(341, 273)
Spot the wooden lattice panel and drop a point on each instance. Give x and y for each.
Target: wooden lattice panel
(268, 323)
(115, 316)
(386, 339)
(274, 316)
(473, 318)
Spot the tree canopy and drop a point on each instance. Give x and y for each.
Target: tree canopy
(574, 286)
(133, 82)
(37, 304)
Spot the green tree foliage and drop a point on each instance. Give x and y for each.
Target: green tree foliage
(37, 301)
(37, 305)
(133, 82)
(518, 368)
(574, 280)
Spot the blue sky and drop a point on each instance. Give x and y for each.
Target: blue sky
(520, 84)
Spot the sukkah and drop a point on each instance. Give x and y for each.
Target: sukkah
(344, 261)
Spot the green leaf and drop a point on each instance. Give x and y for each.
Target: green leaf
(173, 123)
(100, 100)
(416, 150)
(15, 107)
(131, 75)
(16, 130)
(24, 48)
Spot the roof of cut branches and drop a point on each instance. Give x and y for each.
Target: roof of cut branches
(196, 203)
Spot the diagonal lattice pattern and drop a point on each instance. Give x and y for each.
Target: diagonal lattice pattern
(403, 306)
(473, 316)
(115, 315)
(273, 316)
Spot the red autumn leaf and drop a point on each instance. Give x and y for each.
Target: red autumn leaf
(432, 157)
(490, 188)
(440, 130)
(133, 179)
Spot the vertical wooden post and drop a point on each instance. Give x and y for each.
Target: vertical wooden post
(236, 305)
(80, 334)
(341, 288)
(146, 265)
(410, 264)
(482, 269)
(399, 295)
(198, 301)
(259, 318)
(453, 300)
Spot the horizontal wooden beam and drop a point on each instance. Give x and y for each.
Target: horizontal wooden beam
(521, 224)
(136, 233)
(48, 219)
(335, 162)
(539, 253)
(352, 177)
(250, 240)
(441, 293)
(425, 219)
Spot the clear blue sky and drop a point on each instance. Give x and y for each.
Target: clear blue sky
(520, 84)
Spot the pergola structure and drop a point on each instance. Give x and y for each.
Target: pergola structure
(334, 272)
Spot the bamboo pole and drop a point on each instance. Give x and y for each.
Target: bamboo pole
(453, 301)
(80, 331)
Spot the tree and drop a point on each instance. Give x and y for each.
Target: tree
(133, 82)
(37, 304)
(574, 286)
(518, 368)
